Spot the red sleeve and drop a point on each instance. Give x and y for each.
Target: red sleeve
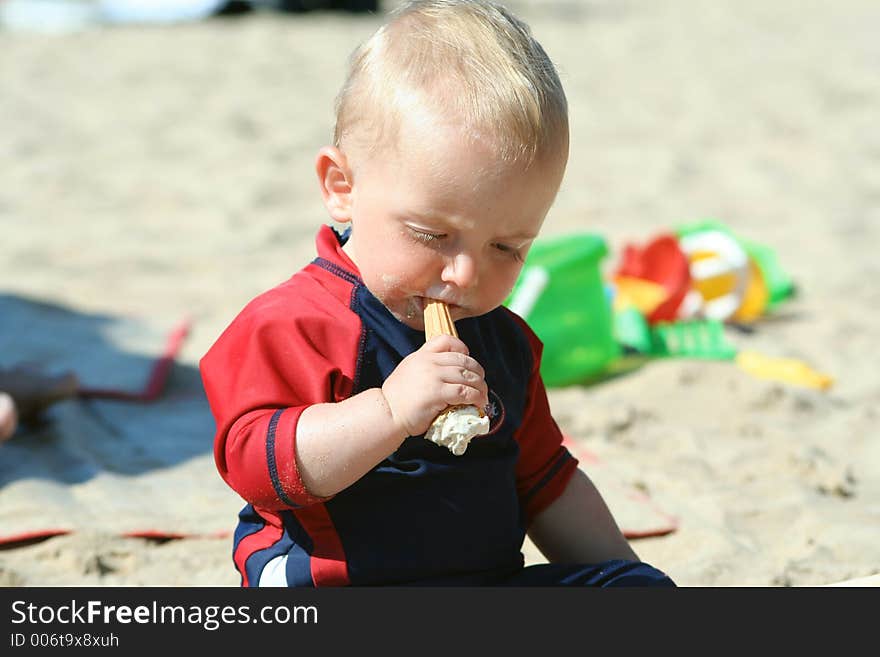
(279, 356)
(545, 465)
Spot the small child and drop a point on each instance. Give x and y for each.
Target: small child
(451, 142)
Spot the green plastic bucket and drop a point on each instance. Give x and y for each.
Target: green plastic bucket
(561, 294)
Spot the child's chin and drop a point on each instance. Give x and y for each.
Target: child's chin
(416, 325)
(410, 314)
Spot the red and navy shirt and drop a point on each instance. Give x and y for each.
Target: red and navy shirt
(421, 514)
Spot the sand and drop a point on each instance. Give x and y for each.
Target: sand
(176, 163)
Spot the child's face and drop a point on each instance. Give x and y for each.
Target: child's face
(440, 218)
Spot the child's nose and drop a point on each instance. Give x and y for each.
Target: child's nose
(461, 270)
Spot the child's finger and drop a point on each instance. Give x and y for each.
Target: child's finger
(454, 374)
(461, 393)
(461, 362)
(441, 343)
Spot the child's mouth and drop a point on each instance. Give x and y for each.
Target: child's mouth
(420, 302)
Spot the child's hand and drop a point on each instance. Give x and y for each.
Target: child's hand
(439, 374)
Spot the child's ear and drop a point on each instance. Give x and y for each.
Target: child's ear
(335, 179)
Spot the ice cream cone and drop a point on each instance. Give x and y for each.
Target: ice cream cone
(456, 425)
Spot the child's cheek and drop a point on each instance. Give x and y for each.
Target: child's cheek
(389, 281)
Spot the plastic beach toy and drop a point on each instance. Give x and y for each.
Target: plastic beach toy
(693, 339)
(730, 271)
(697, 338)
(632, 331)
(705, 339)
(661, 261)
(719, 268)
(561, 294)
(776, 280)
(756, 296)
(632, 292)
(787, 370)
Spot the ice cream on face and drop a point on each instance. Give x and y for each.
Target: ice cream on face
(390, 280)
(457, 425)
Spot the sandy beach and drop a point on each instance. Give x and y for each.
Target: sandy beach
(160, 172)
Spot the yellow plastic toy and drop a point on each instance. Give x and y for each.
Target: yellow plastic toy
(787, 370)
(756, 298)
(639, 293)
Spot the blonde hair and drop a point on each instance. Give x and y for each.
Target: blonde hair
(473, 61)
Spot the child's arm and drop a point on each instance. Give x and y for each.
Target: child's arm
(337, 443)
(578, 527)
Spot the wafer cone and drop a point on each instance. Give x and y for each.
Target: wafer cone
(438, 321)
(456, 425)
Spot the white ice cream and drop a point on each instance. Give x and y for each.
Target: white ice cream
(455, 427)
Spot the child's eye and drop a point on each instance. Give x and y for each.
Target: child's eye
(509, 250)
(426, 237)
